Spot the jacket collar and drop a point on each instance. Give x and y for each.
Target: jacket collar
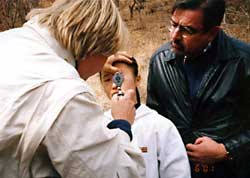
(225, 48)
(44, 33)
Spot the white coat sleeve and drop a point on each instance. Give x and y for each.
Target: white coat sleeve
(81, 146)
(172, 154)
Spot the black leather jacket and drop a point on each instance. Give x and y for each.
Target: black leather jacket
(221, 107)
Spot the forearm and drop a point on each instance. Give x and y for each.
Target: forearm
(238, 144)
(80, 144)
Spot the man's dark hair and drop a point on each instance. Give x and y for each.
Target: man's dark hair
(213, 10)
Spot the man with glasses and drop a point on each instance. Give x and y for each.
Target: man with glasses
(201, 81)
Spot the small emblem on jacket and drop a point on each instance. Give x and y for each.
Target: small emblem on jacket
(144, 149)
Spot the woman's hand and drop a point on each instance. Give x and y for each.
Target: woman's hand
(122, 107)
(119, 56)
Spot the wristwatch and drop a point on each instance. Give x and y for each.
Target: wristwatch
(228, 156)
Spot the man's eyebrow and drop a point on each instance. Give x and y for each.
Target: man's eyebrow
(186, 26)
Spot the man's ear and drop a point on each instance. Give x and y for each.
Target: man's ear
(213, 32)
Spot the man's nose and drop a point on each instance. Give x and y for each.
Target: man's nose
(175, 34)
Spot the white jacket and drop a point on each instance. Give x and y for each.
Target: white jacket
(51, 125)
(163, 150)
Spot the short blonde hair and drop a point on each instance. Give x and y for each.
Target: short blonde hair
(85, 26)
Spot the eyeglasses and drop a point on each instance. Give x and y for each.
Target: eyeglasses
(186, 31)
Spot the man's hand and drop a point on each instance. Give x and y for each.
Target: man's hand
(122, 107)
(206, 151)
(120, 56)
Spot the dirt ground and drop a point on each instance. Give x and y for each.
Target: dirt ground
(150, 31)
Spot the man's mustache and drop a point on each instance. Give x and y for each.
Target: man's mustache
(178, 43)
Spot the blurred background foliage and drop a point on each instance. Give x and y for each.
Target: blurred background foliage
(13, 12)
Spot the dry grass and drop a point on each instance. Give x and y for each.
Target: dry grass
(144, 41)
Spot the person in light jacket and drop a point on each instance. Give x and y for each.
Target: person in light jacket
(157, 137)
(51, 125)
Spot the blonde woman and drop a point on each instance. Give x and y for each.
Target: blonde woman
(51, 125)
